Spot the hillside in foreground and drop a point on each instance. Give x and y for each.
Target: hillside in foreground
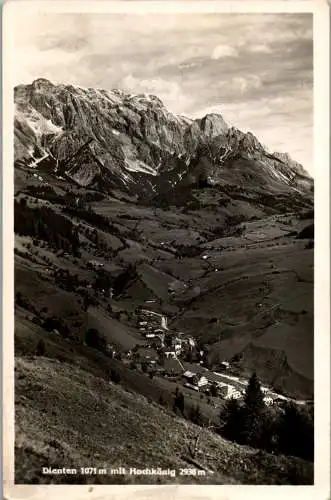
(68, 417)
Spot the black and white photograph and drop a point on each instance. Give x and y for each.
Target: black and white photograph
(163, 217)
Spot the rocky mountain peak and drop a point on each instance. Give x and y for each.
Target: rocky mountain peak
(42, 84)
(213, 124)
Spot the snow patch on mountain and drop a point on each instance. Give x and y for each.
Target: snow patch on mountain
(37, 122)
(139, 166)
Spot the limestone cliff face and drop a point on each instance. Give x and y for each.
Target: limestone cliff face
(108, 138)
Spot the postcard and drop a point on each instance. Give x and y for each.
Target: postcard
(165, 249)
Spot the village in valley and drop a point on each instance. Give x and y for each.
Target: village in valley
(175, 356)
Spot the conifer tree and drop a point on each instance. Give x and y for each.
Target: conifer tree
(253, 412)
(232, 421)
(296, 434)
(253, 396)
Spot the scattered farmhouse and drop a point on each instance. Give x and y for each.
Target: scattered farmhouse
(177, 345)
(172, 367)
(195, 381)
(189, 375)
(95, 263)
(201, 381)
(225, 365)
(191, 386)
(228, 391)
(170, 354)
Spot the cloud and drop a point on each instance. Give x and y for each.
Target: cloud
(221, 51)
(69, 44)
(247, 83)
(188, 65)
(261, 48)
(169, 92)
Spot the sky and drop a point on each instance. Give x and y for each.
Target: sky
(254, 69)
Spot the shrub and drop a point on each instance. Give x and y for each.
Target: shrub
(95, 339)
(53, 323)
(162, 400)
(232, 421)
(19, 299)
(115, 376)
(179, 403)
(296, 432)
(195, 415)
(41, 348)
(307, 232)
(213, 390)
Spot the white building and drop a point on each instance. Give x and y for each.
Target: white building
(177, 345)
(191, 342)
(228, 391)
(178, 348)
(170, 354)
(202, 381)
(189, 375)
(225, 364)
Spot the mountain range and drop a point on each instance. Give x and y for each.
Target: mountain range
(106, 139)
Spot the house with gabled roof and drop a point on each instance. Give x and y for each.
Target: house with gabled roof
(202, 381)
(228, 391)
(188, 375)
(172, 367)
(191, 386)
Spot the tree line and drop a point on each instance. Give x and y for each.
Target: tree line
(44, 224)
(287, 431)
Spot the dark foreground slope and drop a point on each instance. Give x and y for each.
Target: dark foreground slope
(68, 418)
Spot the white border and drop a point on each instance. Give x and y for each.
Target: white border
(321, 488)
